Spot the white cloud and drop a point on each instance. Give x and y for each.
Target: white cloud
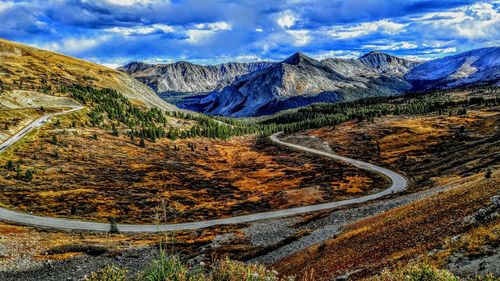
(74, 45)
(198, 35)
(203, 31)
(220, 25)
(247, 58)
(286, 19)
(391, 46)
(110, 65)
(416, 58)
(131, 2)
(142, 30)
(441, 50)
(477, 21)
(259, 30)
(437, 43)
(299, 37)
(5, 5)
(344, 54)
(362, 29)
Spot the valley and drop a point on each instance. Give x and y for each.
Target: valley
(196, 179)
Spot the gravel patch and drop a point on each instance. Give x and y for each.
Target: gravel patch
(317, 236)
(223, 239)
(330, 226)
(309, 141)
(270, 232)
(78, 267)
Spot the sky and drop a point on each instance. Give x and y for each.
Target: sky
(115, 32)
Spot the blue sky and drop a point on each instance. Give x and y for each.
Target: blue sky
(114, 32)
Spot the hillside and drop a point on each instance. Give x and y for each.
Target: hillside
(472, 67)
(372, 64)
(27, 68)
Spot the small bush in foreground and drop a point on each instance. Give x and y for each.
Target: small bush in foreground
(227, 270)
(416, 273)
(171, 268)
(108, 273)
(167, 267)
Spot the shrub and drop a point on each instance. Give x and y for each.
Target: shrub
(167, 267)
(419, 272)
(228, 270)
(423, 272)
(488, 277)
(108, 273)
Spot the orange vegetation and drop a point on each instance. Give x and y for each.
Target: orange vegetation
(397, 235)
(183, 180)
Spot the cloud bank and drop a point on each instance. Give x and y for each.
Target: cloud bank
(114, 32)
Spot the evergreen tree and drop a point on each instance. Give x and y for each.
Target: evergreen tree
(19, 172)
(28, 175)
(10, 165)
(487, 174)
(114, 130)
(142, 143)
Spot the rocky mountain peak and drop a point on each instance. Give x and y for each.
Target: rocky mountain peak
(377, 58)
(298, 58)
(134, 66)
(386, 64)
(182, 63)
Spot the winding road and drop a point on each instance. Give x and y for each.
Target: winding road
(35, 124)
(398, 183)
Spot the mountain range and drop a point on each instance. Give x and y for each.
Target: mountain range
(260, 88)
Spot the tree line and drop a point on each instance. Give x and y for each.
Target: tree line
(107, 105)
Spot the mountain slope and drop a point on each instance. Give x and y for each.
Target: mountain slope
(372, 64)
(476, 66)
(300, 80)
(185, 77)
(27, 68)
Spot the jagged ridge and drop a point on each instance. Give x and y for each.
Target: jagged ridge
(300, 80)
(185, 77)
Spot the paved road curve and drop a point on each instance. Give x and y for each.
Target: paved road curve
(35, 124)
(398, 183)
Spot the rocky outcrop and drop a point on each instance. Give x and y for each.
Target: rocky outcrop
(485, 259)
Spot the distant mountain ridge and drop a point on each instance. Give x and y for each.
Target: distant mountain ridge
(254, 89)
(475, 66)
(186, 77)
(300, 80)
